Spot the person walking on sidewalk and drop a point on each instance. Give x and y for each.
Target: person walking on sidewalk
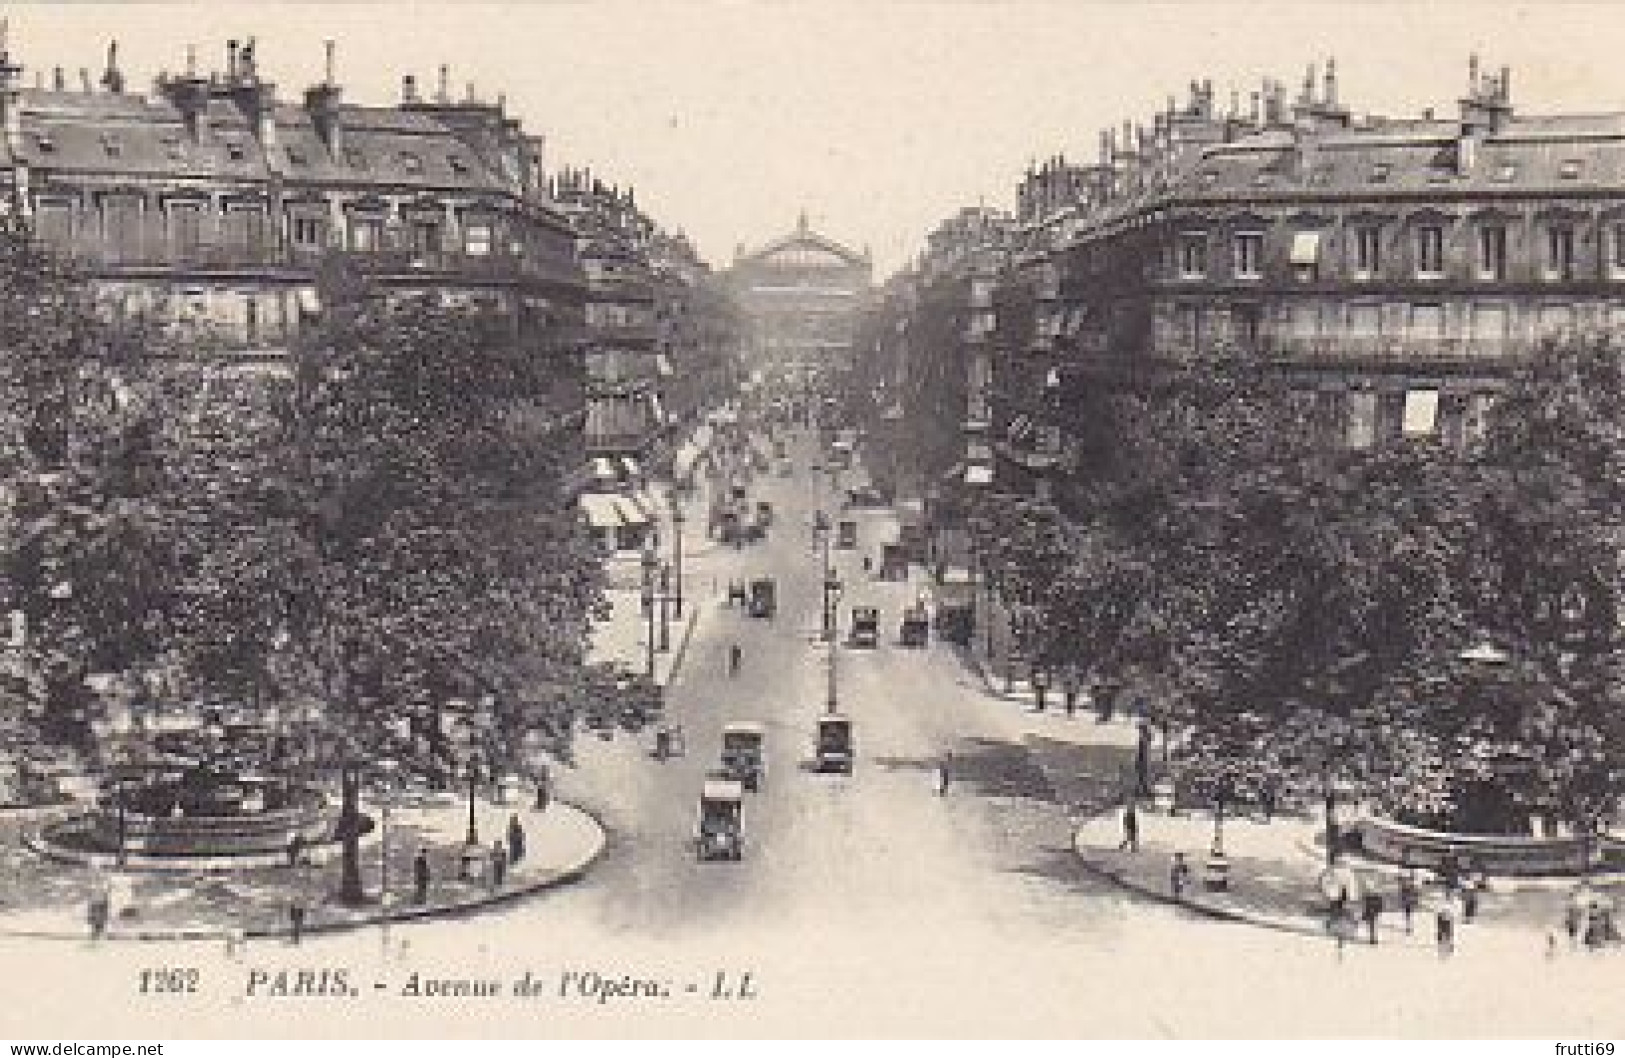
(499, 864)
(516, 839)
(1409, 895)
(944, 773)
(1444, 924)
(735, 657)
(1179, 876)
(1131, 828)
(296, 919)
(420, 877)
(1370, 912)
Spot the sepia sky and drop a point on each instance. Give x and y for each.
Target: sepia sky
(878, 119)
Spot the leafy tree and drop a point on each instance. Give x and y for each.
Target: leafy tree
(438, 564)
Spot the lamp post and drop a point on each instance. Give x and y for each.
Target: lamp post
(831, 699)
(821, 530)
(650, 564)
(677, 520)
(387, 770)
(665, 607)
(472, 837)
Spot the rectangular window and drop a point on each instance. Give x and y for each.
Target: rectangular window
(122, 226)
(1560, 252)
(1554, 320)
(1492, 252)
(1362, 420)
(1427, 322)
(1192, 255)
(1248, 323)
(425, 236)
(308, 232)
(1478, 414)
(185, 226)
(1367, 251)
(1616, 260)
(1365, 322)
(477, 239)
(1488, 328)
(1430, 251)
(1390, 424)
(1421, 413)
(366, 234)
(1304, 317)
(53, 223)
(243, 227)
(1249, 254)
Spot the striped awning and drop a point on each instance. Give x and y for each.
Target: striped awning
(978, 474)
(633, 509)
(603, 512)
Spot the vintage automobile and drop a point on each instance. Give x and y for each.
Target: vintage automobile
(915, 628)
(832, 751)
(742, 753)
(865, 496)
(719, 833)
(865, 626)
(846, 535)
(763, 597)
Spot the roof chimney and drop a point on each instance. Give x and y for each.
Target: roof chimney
(1331, 82)
(322, 102)
(112, 79)
(11, 109)
(59, 82)
(231, 60)
(84, 79)
(444, 94)
(409, 89)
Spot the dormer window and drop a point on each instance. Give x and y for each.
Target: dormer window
(1380, 172)
(1209, 178)
(1506, 174)
(44, 142)
(411, 162)
(297, 156)
(235, 150)
(1569, 170)
(173, 148)
(354, 158)
(112, 145)
(458, 164)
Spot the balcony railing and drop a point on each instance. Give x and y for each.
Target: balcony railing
(1322, 347)
(160, 254)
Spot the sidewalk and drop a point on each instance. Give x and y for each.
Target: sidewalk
(43, 898)
(1275, 879)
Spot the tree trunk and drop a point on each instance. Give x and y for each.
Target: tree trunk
(350, 889)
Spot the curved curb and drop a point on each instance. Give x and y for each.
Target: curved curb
(1220, 914)
(562, 876)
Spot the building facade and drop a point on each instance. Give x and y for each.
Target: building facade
(218, 200)
(801, 296)
(1396, 268)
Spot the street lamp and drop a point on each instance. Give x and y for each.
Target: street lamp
(472, 837)
(650, 564)
(821, 533)
(831, 701)
(665, 614)
(677, 520)
(387, 770)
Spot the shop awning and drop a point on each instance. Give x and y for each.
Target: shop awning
(603, 468)
(702, 436)
(310, 302)
(978, 474)
(1306, 247)
(663, 365)
(682, 463)
(978, 452)
(603, 512)
(631, 467)
(633, 510)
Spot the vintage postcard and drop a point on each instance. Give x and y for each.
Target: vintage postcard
(732, 519)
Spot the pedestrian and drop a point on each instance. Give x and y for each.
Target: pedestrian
(1069, 696)
(1131, 828)
(1409, 896)
(516, 839)
(1142, 761)
(944, 774)
(296, 849)
(420, 877)
(1444, 924)
(735, 657)
(99, 911)
(544, 788)
(1574, 918)
(1370, 911)
(1469, 896)
(499, 863)
(296, 919)
(1179, 876)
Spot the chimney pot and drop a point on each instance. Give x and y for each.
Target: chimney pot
(444, 95)
(231, 60)
(327, 48)
(409, 89)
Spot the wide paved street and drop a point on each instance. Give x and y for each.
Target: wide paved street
(866, 904)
